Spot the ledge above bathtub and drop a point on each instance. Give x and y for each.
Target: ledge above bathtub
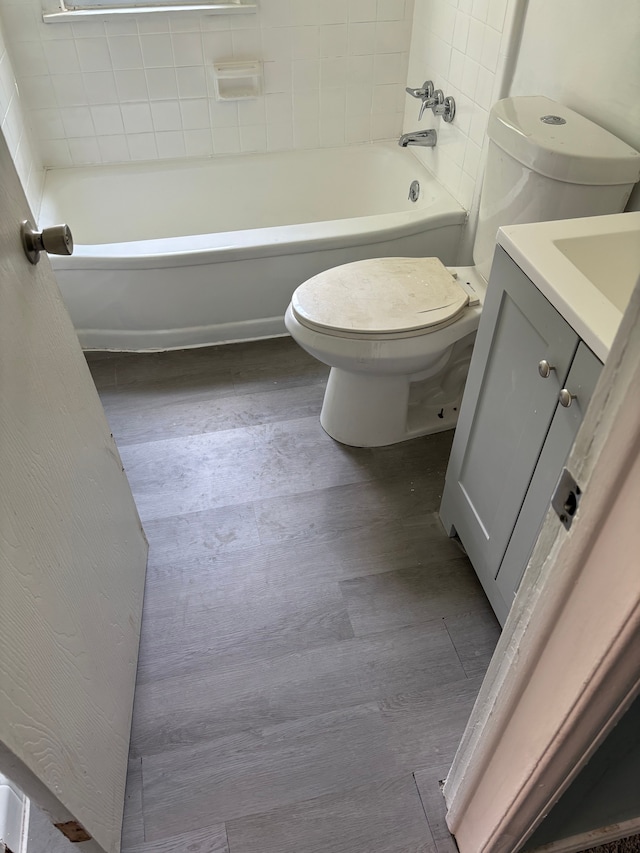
(79, 12)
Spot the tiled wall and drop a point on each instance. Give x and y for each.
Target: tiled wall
(334, 73)
(461, 46)
(16, 133)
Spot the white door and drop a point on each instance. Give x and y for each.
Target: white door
(72, 558)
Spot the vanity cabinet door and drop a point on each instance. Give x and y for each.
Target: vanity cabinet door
(505, 416)
(581, 382)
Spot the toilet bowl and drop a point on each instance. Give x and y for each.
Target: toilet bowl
(398, 332)
(399, 345)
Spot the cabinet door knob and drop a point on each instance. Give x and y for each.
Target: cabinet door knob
(566, 398)
(544, 368)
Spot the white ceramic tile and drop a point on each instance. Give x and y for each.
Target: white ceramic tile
(77, 122)
(162, 83)
(119, 27)
(387, 126)
(187, 48)
(305, 42)
(480, 9)
(69, 89)
(157, 51)
(277, 13)
(252, 111)
(490, 48)
(278, 108)
(331, 12)
(223, 114)
(391, 37)
(333, 72)
(217, 46)
(198, 143)
(306, 75)
(478, 125)
(469, 77)
(280, 136)
(100, 87)
(153, 24)
(166, 115)
(113, 149)
(226, 140)
(131, 85)
(461, 32)
(456, 68)
(496, 14)
(195, 114)
(192, 82)
(390, 10)
(277, 77)
(61, 56)
(246, 44)
(142, 146)
(484, 88)
(125, 52)
(362, 10)
(361, 38)
(253, 138)
(359, 102)
(56, 154)
(107, 120)
(475, 39)
(357, 129)
(84, 152)
(47, 124)
(333, 40)
(170, 144)
(38, 92)
(472, 157)
(30, 60)
(360, 70)
(276, 43)
(88, 29)
(389, 68)
(137, 118)
(93, 54)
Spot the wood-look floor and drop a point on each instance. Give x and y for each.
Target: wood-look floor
(312, 643)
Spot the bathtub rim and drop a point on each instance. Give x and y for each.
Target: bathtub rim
(256, 243)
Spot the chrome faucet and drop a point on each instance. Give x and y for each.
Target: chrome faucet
(424, 138)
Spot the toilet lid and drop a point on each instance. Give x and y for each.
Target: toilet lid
(380, 296)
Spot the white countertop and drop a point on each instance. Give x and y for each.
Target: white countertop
(586, 268)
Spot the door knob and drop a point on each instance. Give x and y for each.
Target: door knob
(56, 240)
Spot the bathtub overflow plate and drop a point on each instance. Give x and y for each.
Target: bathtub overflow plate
(414, 191)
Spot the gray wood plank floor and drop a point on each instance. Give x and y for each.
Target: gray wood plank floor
(311, 639)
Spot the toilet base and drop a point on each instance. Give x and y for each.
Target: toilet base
(370, 410)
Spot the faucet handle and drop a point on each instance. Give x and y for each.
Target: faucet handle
(426, 91)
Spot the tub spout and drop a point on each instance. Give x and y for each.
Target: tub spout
(425, 138)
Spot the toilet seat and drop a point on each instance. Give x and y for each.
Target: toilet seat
(380, 298)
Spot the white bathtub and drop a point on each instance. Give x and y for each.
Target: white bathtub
(180, 254)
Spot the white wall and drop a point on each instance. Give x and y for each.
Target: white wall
(141, 89)
(16, 133)
(578, 52)
(588, 59)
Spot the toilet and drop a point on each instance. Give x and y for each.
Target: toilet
(398, 333)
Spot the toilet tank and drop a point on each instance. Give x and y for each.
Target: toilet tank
(544, 162)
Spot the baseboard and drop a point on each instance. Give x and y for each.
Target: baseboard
(578, 843)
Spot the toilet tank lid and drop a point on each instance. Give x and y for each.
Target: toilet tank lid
(557, 142)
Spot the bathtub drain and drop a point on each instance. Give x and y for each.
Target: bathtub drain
(414, 191)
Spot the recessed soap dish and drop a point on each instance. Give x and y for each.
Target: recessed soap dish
(237, 81)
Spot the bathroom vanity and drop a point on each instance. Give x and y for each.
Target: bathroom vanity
(539, 351)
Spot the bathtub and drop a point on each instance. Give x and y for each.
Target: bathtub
(188, 253)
